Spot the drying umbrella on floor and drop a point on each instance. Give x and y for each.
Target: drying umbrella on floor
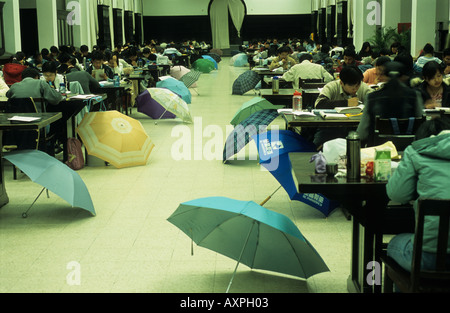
(203, 65)
(239, 60)
(171, 102)
(190, 79)
(208, 57)
(273, 149)
(215, 56)
(53, 175)
(177, 87)
(250, 234)
(243, 132)
(150, 107)
(250, 107)
(115, 138)
(245, 82)
(178, 71)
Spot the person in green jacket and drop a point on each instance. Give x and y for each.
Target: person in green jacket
(424, 172)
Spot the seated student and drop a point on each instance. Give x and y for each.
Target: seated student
(88, 83)
(130, 56)
(435, 92)
(446, 60)
(114, 63)
(32, 86)
(348, 91)
(349, 59)
(3, 87)
(12, 72)
(428, 55)
(306, 70)
(376, 75)
(423, 172)
(50, 76)
(283, 59)
(97, 64)
(323, 58)
(393, 100)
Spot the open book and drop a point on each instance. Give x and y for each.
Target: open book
(297, 114)
(350, 110)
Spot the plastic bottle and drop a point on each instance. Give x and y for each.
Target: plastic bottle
(297, 101)
(62, 88)
(275, 85)
(116, 80)
(353, 157)
(261, 62)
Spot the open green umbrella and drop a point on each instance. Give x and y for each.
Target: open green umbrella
(204, 65)
(249, 233)
(54, 176)
(250, 107)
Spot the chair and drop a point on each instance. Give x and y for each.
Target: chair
(311, 83)
(400, 131)
(421, 280)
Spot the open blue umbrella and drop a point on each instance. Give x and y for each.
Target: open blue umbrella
(177, 87)
(250, 234)
(274, 148)
(54, 176)
(208, 57)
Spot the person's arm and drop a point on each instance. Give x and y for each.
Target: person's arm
(275, 64)
(402, 186)
(289, 76)
(49, 94)
(363, 129)
(94, 85)
(326, 98)
(327, 77)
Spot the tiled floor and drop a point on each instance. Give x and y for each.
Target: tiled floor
(130, 246)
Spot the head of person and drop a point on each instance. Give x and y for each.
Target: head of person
(366, 47)
(304, 57)
(433, 74)
(97, 60)
(394, 48)
(84, 50)
(146, 53)
(428, 49)
(446, 56)
(433, 127)
(350, 79)
(349, 56)
(19, 58)
(380, 68)
(49, 71)
(30, 72)
(54, 51)
(408, 64)
(325, 48)
(283, 52)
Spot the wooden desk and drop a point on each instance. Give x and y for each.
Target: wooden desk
(283, 98)
(367, 234)
(318, 121)
(115, 93)
(267, 72)
(5, 125)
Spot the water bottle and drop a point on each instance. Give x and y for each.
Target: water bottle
(353, 157)
(116, 80)
(275, 85)
(261, 62)
(297, 101)
(62, 88)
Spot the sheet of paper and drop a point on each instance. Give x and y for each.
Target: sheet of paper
(25, 119)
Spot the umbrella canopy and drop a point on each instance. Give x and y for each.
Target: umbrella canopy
(240, 60)
(245, 82)
(208, 57)
(177, 87)
(273, 149)
(53, 175)
(243, 132)
(252, 235)
(215, 56)
(250, 107)
(217, 51)
(147, 105)
(171, 103)
(115, 138)
(191, 78)
(178, 71)
(204, 65)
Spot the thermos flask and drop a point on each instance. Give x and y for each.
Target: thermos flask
(275, 85)
(353, 157)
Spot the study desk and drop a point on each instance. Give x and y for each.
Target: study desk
(6, 125)
(266, 72)
(115, 94)
(284, 96)
(366, 201)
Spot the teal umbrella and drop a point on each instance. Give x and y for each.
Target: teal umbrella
(208, 57)
(177, 87)
(250, 107)
(249, 233)
(54, 176)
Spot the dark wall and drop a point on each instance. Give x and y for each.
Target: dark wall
(29, 31)
(179, 28)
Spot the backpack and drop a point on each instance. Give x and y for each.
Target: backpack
(75, 155)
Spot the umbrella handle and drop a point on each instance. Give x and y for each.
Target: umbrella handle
(25, 214)
(240, 257)
(269, 197)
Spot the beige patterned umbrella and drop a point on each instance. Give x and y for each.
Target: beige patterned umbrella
(115, 138)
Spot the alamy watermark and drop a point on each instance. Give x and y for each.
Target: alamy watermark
(74, 16)
(73, 278)
(374, 16)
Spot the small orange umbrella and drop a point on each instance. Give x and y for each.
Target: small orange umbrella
(115, 138)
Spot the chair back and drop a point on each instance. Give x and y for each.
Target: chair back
(400, 131)
(311, 83)
(21, 105)
(420, 279)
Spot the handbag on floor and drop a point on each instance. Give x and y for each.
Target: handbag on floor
(75, 155)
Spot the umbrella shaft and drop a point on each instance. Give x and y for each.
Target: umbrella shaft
(240, 257)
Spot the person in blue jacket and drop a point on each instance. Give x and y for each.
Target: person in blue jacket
(424, 172)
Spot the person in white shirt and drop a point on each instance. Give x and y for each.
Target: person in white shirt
(306, 70)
